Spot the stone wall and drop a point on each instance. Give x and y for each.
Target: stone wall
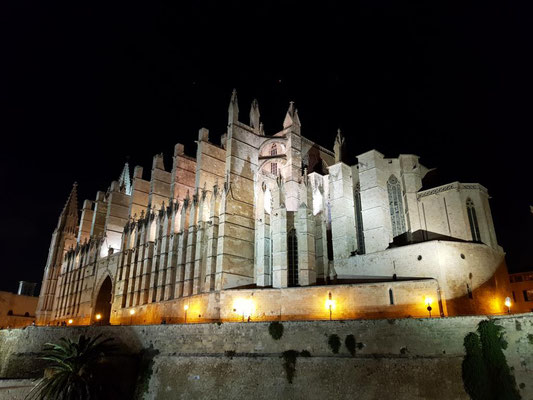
(395, 359)
(22, 310)
(366, 300)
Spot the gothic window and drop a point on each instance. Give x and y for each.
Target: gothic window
(274, 168)
(293, 257)
(274, 150)
(396, 206)
(472, 219)
(359, 220)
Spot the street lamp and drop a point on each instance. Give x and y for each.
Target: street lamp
(508, 304)
(429, 300)
(329, 305)
(186, 307)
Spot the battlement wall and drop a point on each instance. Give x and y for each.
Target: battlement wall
(394, 359)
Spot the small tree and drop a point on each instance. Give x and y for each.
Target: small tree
(334, 343)
(72, 371)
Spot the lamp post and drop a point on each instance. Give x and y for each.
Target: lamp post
(186, 307)
(132, 313)
(329, 305)
(508, 304)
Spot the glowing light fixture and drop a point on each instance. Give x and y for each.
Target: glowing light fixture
(508, 304)
(330, 305)
(244, 307)
(186, 307)
(132, 312)
(98, 317)
(428, 302)
(70, 321)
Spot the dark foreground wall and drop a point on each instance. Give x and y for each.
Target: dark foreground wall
(395, 359)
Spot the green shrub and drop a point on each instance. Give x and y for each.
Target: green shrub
(486, 374)
(230, 354)
(289, 363)
(305, 353)
(350, 344)
(73, 367)
(334, 343)
(276, 330)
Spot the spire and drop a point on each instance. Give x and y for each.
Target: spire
(292, 117)
(254, 115)
(233, 109)
(68, 220)
(124, 181)
(338, 147)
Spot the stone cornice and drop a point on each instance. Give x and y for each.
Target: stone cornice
(452, 186)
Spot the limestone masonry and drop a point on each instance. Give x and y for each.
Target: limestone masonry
(268, 227)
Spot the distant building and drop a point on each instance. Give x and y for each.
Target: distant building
(267, 227)
(522, 290)
(17, 310)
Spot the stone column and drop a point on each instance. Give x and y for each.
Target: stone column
(374, 201)
(342, 211)
(191, 248)
(278, 225)
(182, 248)
(199, 254)
(212, 239)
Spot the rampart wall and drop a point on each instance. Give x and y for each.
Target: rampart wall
(394, 359)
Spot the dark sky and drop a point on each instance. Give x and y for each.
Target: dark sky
(86, 86)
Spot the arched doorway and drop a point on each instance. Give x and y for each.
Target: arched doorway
(102, 307)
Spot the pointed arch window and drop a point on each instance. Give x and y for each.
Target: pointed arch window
(472, 219)
(292, 247)
(396, 206)
(274, 168)
(274, 150)
(359, 220)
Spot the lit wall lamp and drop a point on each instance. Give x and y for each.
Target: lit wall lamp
(244, 307)
(98, 317)
(132, 313)
(429, 301)
(185, 308)
(330, 304)
(508, 304)
(70, 321)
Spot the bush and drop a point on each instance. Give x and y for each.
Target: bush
(350, 344)
(230, 354)
(486, 374)
(305, 353)
(276, 330)
(289, 363)
(334, 343)
(74, 367)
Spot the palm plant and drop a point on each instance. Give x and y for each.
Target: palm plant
(72, 373)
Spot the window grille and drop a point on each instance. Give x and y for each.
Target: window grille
(396, 206)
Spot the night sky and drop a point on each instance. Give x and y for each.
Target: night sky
(86, 86)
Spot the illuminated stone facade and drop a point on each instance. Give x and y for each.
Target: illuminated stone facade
(279, 224)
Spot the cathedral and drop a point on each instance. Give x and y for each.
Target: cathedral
(266, 227)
